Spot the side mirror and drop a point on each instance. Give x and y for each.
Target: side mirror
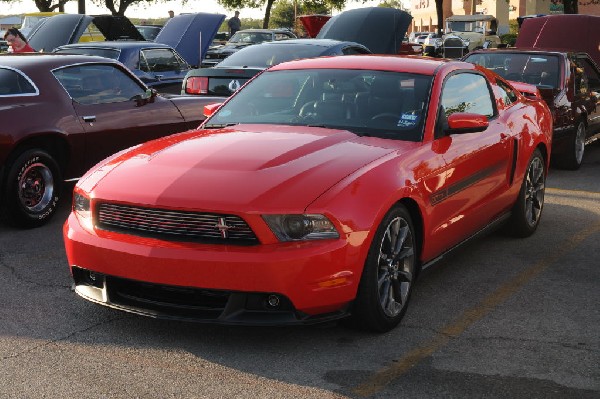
(464, 122)
(210, 109)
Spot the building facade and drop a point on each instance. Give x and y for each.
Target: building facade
(425, 15)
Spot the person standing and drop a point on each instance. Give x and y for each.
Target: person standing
(234, 23)
(17, 41)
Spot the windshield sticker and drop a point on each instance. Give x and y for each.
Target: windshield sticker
(408, 120)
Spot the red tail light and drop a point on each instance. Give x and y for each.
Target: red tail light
(196, 85)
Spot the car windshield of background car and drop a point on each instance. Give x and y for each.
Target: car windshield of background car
(263, 56)
(465, 26)
(541, 70)
(376, 103)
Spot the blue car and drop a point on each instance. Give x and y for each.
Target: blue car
(161, 64)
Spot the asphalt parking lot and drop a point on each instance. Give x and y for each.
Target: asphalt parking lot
(503, 318)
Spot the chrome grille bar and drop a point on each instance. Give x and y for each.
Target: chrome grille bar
(173, 225)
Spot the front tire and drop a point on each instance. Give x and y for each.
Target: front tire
(388, 275)
(32, 189)
(527, 211)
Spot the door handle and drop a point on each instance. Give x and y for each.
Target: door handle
(159, 77)
(89, 118)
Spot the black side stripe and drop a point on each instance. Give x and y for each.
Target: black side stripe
(447, 192)
(513, 167)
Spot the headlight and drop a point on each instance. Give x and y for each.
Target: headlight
(438, 42)
(466, 42)
(301, 227)
(82, 208)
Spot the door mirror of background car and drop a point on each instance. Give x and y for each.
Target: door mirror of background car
(210, 109)
(464, 122)
(148, 97)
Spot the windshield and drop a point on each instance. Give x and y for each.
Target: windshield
(538, 69)
(250, 37)
(375, 103)
(266, 55)
(466, 26)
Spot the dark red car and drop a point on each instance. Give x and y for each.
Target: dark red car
(61, 114)
(569, 82)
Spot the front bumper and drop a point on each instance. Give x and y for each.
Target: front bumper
(279, 284)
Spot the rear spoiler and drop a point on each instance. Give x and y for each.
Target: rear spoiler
(528, 90)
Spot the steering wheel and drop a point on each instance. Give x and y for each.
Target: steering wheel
(307, 109)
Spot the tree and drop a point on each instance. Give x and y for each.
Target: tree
(283, 13)
(393, 4)
(47, 6)
(237, 4)
(118, 7)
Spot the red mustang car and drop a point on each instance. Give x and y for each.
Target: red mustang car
(317, 191)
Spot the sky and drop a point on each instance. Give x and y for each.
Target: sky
(158, 10)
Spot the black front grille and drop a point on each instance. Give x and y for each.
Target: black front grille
(453, 48)
(173, 225)
(172, 300)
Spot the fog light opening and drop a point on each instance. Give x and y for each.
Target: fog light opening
(273, 301)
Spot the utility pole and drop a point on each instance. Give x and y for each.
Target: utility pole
(81, 6)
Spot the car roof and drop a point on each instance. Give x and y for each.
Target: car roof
(117, 45)
(529, 51)
(326, 43)
(409, 64)
(264, 30)
(49, 60)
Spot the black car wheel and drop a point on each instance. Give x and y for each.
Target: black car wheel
(388, 275)
(573, 157)
(527, 211)
(32, 189)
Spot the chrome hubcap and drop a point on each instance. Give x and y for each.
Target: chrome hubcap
(36, 186)
(396, 264)
(534, 191)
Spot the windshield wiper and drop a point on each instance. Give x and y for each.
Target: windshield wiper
(218, 125)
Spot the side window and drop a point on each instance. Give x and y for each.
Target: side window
(354, 50)
(579, 77)
(467, 92)
(98, 84)
(507, 94)
(592, 74)
(160, 60)
(13, 83)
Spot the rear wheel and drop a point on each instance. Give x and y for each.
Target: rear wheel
(32, 189)
(573, 157)
(388, 275)
(527, 211)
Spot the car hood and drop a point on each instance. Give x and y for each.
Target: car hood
(279, 168)
(549, 33)
(182, 32)
(313, 23)
(63, 29)
(380, 29)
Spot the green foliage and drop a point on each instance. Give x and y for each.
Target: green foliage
(282, 14)
(509, 38)
(392, 4)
